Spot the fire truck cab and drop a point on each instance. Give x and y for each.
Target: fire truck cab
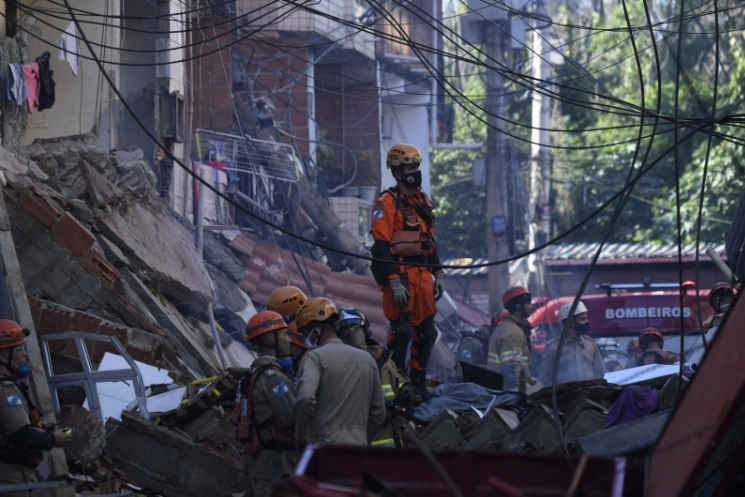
(624, 311)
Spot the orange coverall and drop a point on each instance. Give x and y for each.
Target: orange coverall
(416, 319)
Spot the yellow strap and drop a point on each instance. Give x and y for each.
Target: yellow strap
(388, 441)
(204, 381)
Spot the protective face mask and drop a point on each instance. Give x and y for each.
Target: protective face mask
(582, 329)
(413, 180)
(23, 370)
(286, 364)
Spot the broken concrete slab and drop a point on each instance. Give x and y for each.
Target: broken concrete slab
(585, 422)
(101, 191)
(443, 431)
(633, 436)
(88, 436)
(493, 429)
(215, 428)
(537, 429)
(169, 462)
(134, 174)
(160, 250)
(567, 393)
(668, 397)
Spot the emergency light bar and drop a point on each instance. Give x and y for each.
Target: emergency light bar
(646, 285)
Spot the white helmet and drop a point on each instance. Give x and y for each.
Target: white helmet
(564, 312)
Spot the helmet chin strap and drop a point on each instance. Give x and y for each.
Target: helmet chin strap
(9, 363)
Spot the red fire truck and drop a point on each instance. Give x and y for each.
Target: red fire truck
(623, 311)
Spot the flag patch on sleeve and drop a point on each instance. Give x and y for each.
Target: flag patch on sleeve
(14, 400)
(280, 389)
(378, 214)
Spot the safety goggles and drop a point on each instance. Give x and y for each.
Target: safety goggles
(417, 159)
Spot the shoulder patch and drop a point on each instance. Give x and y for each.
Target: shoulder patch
(466, 353)
(7, 383)
(14, 400)
(378, 214)
(280, 389)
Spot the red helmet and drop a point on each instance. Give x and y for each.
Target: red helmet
(264, 322)
(513, 293)
(651, 332)
(718, 288)
(11, 334)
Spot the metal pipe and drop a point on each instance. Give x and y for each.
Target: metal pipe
(216, 338)
(723, 267)
(457, 146)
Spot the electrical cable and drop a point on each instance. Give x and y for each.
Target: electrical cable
(640, 174)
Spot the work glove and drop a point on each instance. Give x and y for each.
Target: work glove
(439, 285)
(400, 293)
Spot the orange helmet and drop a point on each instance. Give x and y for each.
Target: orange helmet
(651, 333)
(316, 309)
(297, 339)
(402, 154)
(513, 293)
(286, 300)
(264, 322)
(11, 334)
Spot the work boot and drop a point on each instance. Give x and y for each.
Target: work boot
(418, 379)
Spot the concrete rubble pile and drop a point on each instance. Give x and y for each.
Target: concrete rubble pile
(101, 253)
(582, 410)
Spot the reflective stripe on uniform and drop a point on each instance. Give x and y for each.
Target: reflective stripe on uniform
(494, 358)
(387, 441)
(507, 356)
(525, 361)
(388, 391)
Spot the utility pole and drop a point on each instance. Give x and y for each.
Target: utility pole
(540, 154)
(497, 191)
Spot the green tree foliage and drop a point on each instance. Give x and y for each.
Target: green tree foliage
(601, 78)
(461, 206)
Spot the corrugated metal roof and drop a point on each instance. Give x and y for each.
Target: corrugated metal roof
(579, 251)
(586, 251)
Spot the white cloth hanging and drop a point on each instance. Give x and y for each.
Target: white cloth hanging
(69, 48)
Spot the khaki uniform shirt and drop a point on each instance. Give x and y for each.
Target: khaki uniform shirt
(509, 353)
(273, 397)
(581, 360)
(664, 357)
(391, 379)
(339, 396)
(14, 415)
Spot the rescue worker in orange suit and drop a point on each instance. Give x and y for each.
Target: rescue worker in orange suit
(263, 417)
(286, 301)
(721, 297)
(354, 330)
(403, 223)
(651, 343)
(509, 345)
(22, 438)
(339, 395)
